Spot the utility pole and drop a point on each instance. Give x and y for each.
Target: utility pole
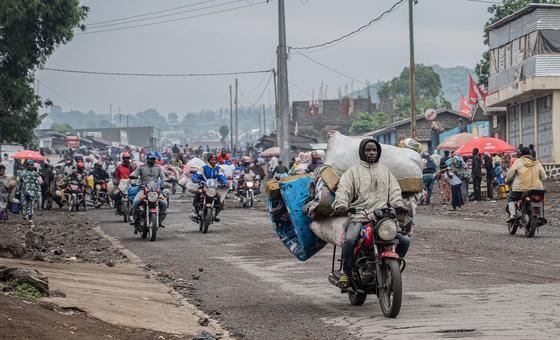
(412, 70)
(276, 110)
(127, 121)
(283, 100)
(110, 115)
(236, 114)
(231, 119)
(120, 125)
(264, 120)
(260, 126)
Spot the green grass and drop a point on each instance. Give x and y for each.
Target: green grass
(22, 290)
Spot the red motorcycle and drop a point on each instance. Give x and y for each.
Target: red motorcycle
(377, 267)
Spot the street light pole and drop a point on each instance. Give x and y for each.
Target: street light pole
(412, 70)
(236, 114)
(283, 100)
(231, 118)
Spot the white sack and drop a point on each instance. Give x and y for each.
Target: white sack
(196, 163)
(228, 170)
(331, 230)
(342, 153)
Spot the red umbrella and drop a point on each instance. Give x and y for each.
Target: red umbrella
(485, 144)
(28, 155)
(454, 142)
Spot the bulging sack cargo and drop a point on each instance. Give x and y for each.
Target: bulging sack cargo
(405, 164)
(292, 225)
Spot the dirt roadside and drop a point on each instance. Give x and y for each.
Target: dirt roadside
(101, 289)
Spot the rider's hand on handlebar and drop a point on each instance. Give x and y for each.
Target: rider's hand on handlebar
(340, 211)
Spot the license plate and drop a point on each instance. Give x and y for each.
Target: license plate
(153, 210)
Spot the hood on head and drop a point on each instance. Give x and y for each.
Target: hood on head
(363, 148)
(529, 161)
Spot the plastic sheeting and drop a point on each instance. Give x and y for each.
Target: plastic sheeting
(342, 153)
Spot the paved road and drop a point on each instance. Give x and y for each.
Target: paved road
(464, 279)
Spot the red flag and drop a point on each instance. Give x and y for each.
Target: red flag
(465, 109)
(473, 96)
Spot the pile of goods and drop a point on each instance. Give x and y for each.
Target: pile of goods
(301, 206)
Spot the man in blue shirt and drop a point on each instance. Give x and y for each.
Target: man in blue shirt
(210, 171)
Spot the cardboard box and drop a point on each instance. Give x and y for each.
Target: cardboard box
(411, 184)
(330, 177)
(273, 189)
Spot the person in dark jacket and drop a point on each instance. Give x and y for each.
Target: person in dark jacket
(490, 173)
(476, 174)
(532, 151)
(428, 177)
(48, 186)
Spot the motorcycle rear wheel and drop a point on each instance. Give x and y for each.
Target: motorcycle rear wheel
(207, 220)
(153, 226)
(512, 228)
(390, 294)
(532, 226)
(125, 212)
(357, 299)
(145, 230)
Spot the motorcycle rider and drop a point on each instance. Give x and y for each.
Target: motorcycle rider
(147, 173)
(526, 174)
(209, 171)
(99, 175)
(280, 169)
(121, 172)
(68, 166)
(315, 162)
(224, 157)
(368, 185)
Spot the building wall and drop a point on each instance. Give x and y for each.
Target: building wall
(333, 117)
(138, 136)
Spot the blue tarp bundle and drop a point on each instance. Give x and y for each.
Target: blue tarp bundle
(292, 225)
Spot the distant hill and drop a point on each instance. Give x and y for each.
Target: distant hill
(454, 81)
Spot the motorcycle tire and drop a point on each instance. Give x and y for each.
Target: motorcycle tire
(512, 228)
(153, 226)
(49, 205)
(201, 221)
(251, 202)
(207, 221)
(84, 204)
(70, 204)
(125, 213)
(357, 299)
(145, 231)
(532, 226)
(390, 294)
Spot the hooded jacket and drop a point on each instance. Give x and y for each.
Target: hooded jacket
(368, 185)
(527, 174)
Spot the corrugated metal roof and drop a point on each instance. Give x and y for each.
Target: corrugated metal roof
(529, 8)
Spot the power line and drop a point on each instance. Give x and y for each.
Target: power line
(300, 88)
(60, 96)
(166, 15)
(330, 68)
(154, 74)
(177, 19)
(149, 13)
(263, 92)
(485, 2)
(356, 31)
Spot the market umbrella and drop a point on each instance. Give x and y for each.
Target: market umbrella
(275, 151)
(485, 144)
(456, 141)
(28, 155)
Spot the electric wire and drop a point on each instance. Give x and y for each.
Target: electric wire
(330, 68)
(154, 74)
(176, 19)
(263, 91)
(167, 15)
(485, 2)
(300, 88)
(356, 31)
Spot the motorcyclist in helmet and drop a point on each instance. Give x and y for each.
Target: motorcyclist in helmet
(147, 173)
(68, 166)
(210, 171)
(121, 172)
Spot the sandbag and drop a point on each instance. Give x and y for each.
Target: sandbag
(331, 230)
(196, 163)
(405, 164)
(291, 224)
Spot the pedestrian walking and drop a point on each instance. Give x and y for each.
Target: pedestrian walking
(532, 151)
(489, 175)
(428, 177)
(456, 192)
(476, 174)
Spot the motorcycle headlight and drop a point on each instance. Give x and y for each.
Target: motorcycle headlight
(387, 230)
(153, 196)
(211, 192)
(249, 184)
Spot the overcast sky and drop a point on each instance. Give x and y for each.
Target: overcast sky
(448, 32)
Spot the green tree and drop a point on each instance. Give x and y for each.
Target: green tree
(499, 12)
(224, 132)
(61, 127)
(369, 122)
(429, 92)
(30, 30)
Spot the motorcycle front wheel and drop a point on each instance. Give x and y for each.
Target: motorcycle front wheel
(125, 212)
(532, 226)
(153, 226)
(207, 220)
(512, 228)
(390, 295)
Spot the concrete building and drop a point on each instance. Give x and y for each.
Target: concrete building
(431, 133)
(525, 78)
(316, 119)
(148, 137)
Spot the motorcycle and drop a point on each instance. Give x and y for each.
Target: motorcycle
(101, 195)
(209, 198)
(246, 193)
(124, 207)
(149, 208)
(377, 267)
(529, 212)
(74, 192)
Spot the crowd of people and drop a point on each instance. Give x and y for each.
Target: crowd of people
(460, 178)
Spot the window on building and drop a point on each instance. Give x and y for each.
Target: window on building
(528, 123)
(544, 118)
(513, 125)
